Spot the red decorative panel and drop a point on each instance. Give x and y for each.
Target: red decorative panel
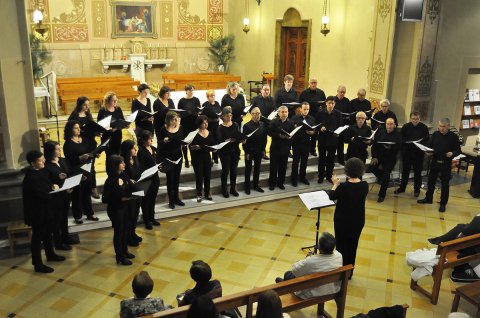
(191, 33)
(70, 33)
(215, 11)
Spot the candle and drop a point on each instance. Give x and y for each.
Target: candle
(158, 45)
(150, 45)
(104, 46)
(166, 45)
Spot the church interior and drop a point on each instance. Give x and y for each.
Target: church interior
(429, 64)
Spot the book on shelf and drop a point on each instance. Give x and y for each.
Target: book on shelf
(473, 94)
(465, 124)
(467, 111)
(476, 110)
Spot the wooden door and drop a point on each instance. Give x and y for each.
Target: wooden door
(295, 56)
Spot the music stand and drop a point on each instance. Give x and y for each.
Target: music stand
(315, 200)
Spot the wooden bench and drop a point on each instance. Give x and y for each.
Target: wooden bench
(285, 289)
(18, 228)
(69, 89)
(448, 252)
(177, 82)
(470, 293)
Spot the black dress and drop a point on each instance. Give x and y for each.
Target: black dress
(117, 187)
(147, 160)
(202, 162)
(171, 150)
(142, 121)
(113, 147)
(61, 201)
(161, 111)
(189, 116)
(238, 106)
(349, 217)
(81, 200)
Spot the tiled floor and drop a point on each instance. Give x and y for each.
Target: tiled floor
(246, 246)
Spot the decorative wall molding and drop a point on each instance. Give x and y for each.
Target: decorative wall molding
(184, 16)
(166, 19)
(214, 32)
(77, 15)
(42, 5)
(422, 107)
(99, 18)
(70, 33)
(424, 80)
(384, 9)
(378, 76)
(191, 33)
(433, 9)
(215, 11)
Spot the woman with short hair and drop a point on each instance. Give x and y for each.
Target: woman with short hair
(110, 108)
(144, 119)
(236, 101)
(190, 104)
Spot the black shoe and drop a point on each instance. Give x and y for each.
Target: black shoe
(341, 162)
(129, 255)
(71, 241)
(295, 183)
(136, 237)
(124, 261)
(78, 221)
(55, 258)
(380, 199)
(208, 197)
(442, 208)
(314, 153)
(258, 189)
(215, 161)
(187, 164)
(330, 180)
(271, 187)
(399, 190)
(179, 202)
(133, 243)
(155, 222)
(148, 225)
(43, 269)
(320, 180)
(464, 276)
(92, 218)
(234, 192)
(305, 181)
(416, 194)
(434, 240)
(225, 194)
(63, 247)
(278, 280)
(95, 194)
(171, 205)
(266, 157)
(247, 190)
(281, 187)
(424, 201)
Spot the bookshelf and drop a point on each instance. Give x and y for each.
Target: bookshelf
(471, 109)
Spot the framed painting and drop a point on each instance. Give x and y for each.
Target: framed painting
(133, 19)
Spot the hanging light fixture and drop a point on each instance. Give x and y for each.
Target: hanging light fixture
(246, 19)
(325, 18)
(37, 17)
(259, 1)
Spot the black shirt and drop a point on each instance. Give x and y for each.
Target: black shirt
(115, 136)
(162, 110)
(113, 192)
(331, 121)
(441, 144)
(386, 152)
(212, 111)
(225, 133)
(191, 107)
(356, 146)
(73, 151)
(278, 127)
(380, 118)
(313, 97)
(350, 207)
(282, 96)
(265, 104)
(36, 187)
(204, 152)
(145, 158)
(301, 139)
(142, 120)
(237, 104)
(357, 105)
(173, 148)
(257, 142)
(413, 133)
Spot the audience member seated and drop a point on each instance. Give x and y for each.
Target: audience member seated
(201, 273)
(467, 272)
(270, 305)
(203, 307)
(328, 260)
(383, 312)
(141, 304)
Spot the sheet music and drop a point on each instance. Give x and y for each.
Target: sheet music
(339, 130)
(292, 103)
(132, 117)
(422, 147)
(293, 132)
(149, 172)
(174, 162)
(105, 123)
(250, 134)
(272, 115)
(70, 183)
(150, 113)
(219, 146)
(190, 137)
(140, 193)
(378, 121)
(386, 142)
(87, 167)
(412, 141)
(316, 199)
(460, 156)
(247, 108)
(371, 136)
(312, 127)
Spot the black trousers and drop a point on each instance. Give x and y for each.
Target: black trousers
(340, 149)
(173, 181)
(42, 229)
(445, 171)
(255, 159)
(382, 171)
(148, 201)
(133, 212)
(81, 200)
(229, 166)
(120, 223)
(412, 159)
(326, 160)
(278, 168)
(61, 208)
(300, 156)
(313, 144)
(203, 171)
(347, 242)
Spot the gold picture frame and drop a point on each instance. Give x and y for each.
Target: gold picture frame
(133, 19)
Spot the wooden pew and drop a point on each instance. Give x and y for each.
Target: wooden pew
(448, 252)
(69, 89)
(285, 289)
(200, 81)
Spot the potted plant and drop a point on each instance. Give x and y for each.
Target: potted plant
(221, 51)
(39, 56)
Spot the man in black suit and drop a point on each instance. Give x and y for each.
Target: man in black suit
(315, 98)
(286, 94)
(301, 144)
(379, 119)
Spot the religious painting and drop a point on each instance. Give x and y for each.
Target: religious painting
(133, 19)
